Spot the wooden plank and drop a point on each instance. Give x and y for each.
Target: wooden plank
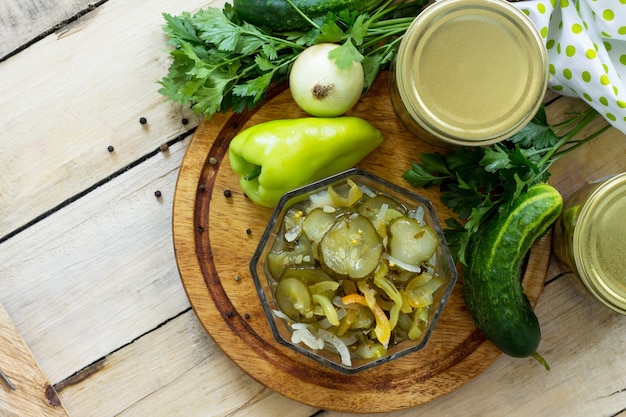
(104, 273)
(52, 115)
(188, 376)
(32, 394)
(580, 383)
(21, 22)
(150, 377)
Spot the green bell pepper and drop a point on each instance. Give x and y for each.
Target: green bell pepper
(280, 155)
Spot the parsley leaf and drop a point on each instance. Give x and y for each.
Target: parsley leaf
(478, 182)
(220, 62)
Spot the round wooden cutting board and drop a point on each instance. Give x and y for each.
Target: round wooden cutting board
(216, 230)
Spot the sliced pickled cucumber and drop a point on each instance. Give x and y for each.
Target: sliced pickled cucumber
(410, 242)
(294, 299)
(421, 289)
(381, 210)
(317, 223)
(351, 248)
(372, 206)
(297, 255)
(316, 280)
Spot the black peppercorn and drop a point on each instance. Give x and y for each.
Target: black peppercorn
(110, 148)
(157, 193)
(248, 231)
(143, 120)
(184, 121)
(227, 193)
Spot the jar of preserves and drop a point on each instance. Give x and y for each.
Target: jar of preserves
(590, 238)
(469, 72)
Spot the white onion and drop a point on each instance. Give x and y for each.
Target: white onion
(341, 347)
(320, 87)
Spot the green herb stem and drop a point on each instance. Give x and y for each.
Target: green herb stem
(558, 155)
(401, 23)
(582, 123)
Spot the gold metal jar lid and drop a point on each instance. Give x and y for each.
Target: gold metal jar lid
(471, 72)
(599, 243)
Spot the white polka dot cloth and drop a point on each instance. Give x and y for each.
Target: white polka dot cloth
(586, 42)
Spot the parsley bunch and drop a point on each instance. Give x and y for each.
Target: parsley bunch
(221, 62)
(477, 183)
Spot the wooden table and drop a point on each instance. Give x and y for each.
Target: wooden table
(97, 322)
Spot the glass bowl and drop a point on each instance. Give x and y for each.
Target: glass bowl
(353, 271)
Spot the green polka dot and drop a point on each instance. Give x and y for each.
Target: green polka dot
(591, 54)
(560, 25)
(611, 116)
(622, 30)
(604, 101)
(622, 1)
(586, 25)
(541, 8)
(564, 3)
(570, 50)
(551, 69)
(586, 76)
(558, 49)
(622, 59)
(544, 32)
(526, 12)
(606, 68)
(567, 73)
(606, 35)
(615, 90)
(604, 80)
(576, 28)
(621, 104)
(553, 3)
(557, 87)
(550, 44)
(587, 97)
(608, 46)
(608, 15)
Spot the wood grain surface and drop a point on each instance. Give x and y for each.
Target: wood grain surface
(33, 395)
(212, 248)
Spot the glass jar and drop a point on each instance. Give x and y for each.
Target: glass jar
(469, 72)
(590, 238)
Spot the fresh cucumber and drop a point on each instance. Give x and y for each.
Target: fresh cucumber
(493, 291)
(279, 15)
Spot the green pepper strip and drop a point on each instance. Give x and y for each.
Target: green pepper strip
(329, 309)
(323, 286)
(415, 331)
(381, 281)
(346, 322)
